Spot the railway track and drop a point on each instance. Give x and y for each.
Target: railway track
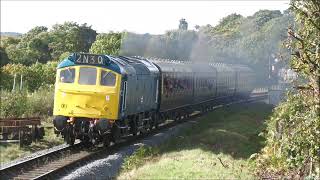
(60, 161)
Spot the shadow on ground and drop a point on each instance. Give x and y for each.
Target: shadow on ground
(231, 130)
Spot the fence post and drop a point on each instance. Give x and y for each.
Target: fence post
(21, 82)
(14, 82)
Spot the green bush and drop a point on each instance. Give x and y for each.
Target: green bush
(139, 157)
(40, 102)
(33, 76)
(20, 104)
(293, 139)
(13, 104)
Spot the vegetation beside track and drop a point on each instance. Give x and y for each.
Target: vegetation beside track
(27, 104)
(217, 146)
(292, 149)
(12, 151)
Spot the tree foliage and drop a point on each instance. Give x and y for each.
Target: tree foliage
(31, 48)
(70, 37)
(255, 40)
(7, 41)
(293, 144)
(134, 44)
(22, 103)
(236, 39)
(305, 43)
(175, 44)
(41, 45)
(107, 43)
(227, 25)
(4, 57)
(33, 76)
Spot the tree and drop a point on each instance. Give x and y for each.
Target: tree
(7, 41)
(228, 25)
(70, 37)
(293, 131)
(305, 43)
(31, 48)
(263, 16)
(4, 57)
(179, 44)
(244, 40)
(107, 43)
(34, 76)
(134, 44)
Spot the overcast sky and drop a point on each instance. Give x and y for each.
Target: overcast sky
(153, 17)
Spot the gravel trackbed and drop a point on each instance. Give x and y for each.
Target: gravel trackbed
(109, 166)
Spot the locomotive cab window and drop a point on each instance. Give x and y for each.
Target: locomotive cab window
(87, 76)
(67, 75)
(107, 78)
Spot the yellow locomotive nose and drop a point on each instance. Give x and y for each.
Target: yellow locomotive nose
(86, 91)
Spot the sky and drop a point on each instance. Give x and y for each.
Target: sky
(154, 17)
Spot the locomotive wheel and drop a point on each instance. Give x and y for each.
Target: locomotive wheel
(156, 121)
(133, 126)
(106, 140)
(116, 134)
(92, 136)
(179, 116)
(69, 136)
(86, 141)
(156, 125)
(176, 116)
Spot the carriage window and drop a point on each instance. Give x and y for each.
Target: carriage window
(67, 75)
(87, 76)
(108, 78)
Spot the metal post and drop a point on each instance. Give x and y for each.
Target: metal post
(14, 82)
(269, 69)
(21, 82)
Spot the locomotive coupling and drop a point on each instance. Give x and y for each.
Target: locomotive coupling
(103, 125)
(97, 129)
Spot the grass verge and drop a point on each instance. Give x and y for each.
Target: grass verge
(217, 146)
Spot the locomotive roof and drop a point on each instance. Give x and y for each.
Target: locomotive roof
(121, 64)
(90, 59)
(187, 66)
(140, 65)
(173, 66)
